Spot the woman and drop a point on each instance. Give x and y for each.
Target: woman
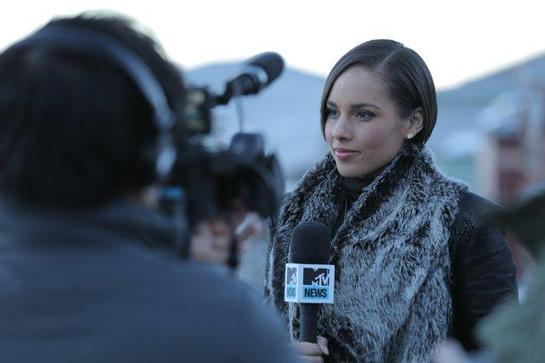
(414, 262)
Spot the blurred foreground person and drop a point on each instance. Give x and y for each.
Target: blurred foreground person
(87, 272)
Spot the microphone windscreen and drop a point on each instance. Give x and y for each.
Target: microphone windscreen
(271, 62)
(310, 243)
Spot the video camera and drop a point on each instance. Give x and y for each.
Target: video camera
(200, 183)
(210, 182)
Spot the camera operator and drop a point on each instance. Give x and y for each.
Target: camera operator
(87, 272)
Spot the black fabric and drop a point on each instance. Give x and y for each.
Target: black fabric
(84, 286)
(483, 273)
(393, 300)
(350, 191)
(401, 248)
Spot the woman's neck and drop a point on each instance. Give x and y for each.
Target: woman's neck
(353, 186)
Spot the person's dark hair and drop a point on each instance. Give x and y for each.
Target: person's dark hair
(73, 125)
(407, 77)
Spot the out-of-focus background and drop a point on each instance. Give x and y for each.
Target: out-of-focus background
(487, 59)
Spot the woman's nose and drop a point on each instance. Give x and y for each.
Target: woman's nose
(341, 130)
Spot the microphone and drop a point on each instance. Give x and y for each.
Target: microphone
(309, 280)
(259, 72)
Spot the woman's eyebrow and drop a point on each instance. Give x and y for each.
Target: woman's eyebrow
(364, 104)
(354, 106)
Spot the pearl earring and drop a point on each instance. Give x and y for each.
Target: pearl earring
(410, 136)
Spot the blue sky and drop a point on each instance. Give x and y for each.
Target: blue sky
(459, 39)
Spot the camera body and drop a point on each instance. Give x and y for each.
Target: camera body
(213, 181)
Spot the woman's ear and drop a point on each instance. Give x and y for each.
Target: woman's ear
(416, 123)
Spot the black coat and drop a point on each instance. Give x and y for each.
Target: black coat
(85, 287)
(416, 260)
(483, 273)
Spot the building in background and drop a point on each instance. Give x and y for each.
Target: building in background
(490, 132)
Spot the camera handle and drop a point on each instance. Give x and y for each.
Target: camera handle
(238, 106)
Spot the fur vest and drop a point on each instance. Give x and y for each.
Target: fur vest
(392, 299)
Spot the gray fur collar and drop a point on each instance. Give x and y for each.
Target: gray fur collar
(392, 300)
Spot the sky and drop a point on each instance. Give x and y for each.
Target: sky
(459, 40)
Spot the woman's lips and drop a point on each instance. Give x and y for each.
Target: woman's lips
(344, 154)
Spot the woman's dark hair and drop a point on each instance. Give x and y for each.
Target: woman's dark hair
(74, 125)
(407, 77)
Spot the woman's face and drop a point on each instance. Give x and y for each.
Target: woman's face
(363, 129)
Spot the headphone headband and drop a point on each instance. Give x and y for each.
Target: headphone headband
(93, 43)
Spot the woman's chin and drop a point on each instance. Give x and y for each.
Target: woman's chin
(348, 172)
(353, 171)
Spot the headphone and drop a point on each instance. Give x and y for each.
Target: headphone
(161, 155)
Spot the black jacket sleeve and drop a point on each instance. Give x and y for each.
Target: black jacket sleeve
(483, 273)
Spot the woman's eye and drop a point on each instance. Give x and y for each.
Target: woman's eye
(332, 113)
(365, 115)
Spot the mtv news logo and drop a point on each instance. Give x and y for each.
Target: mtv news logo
(316, 282)
(309, 283)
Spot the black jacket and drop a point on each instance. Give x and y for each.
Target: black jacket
(483, 273)
(84, 286)
(482, 269)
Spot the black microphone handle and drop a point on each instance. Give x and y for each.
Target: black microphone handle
(309, 323)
